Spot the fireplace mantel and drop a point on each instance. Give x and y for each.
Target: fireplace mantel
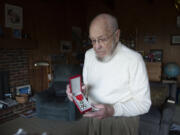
(18, 43)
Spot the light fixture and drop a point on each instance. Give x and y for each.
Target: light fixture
(42, 63)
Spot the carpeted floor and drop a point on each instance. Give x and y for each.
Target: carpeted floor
(37, 126)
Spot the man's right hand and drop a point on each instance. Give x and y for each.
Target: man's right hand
(69, 93)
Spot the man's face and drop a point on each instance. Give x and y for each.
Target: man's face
(103, 41)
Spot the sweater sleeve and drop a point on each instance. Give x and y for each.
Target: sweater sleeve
(140, 101)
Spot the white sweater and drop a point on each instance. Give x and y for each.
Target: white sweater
(122, 82)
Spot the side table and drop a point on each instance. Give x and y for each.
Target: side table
(14, 111)
(172, 87)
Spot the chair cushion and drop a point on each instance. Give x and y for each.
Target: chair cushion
(56, 110)
(62, 72)
(159, 93)
(153, 116)
(60, 88)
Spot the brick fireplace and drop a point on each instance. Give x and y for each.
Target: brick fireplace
(16, 62)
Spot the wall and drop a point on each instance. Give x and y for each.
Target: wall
(156, 18)
(16, 62)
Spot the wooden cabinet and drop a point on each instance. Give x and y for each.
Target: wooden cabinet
(40, 74)
(154, 70)
(39, 79)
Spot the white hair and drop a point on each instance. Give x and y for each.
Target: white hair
(110, 20)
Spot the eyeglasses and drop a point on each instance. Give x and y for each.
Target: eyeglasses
(101, 40)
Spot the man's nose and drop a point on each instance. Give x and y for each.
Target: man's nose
(97, 45)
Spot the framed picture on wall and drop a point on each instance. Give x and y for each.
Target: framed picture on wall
(150, 39)
(66, 46)
(175, 39)
(17, 33)
(157, 54)
(13, 16)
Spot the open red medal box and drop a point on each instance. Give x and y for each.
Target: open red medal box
(78, 97)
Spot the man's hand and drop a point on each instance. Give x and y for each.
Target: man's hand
(103, 112)
(69, 93)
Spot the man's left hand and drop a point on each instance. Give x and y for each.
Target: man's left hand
(103, 112)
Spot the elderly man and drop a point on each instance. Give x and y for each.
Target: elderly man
(116, 81)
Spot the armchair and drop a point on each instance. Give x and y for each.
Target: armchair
(159, 118)
(52, 103)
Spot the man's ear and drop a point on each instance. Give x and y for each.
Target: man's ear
(117, 35)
